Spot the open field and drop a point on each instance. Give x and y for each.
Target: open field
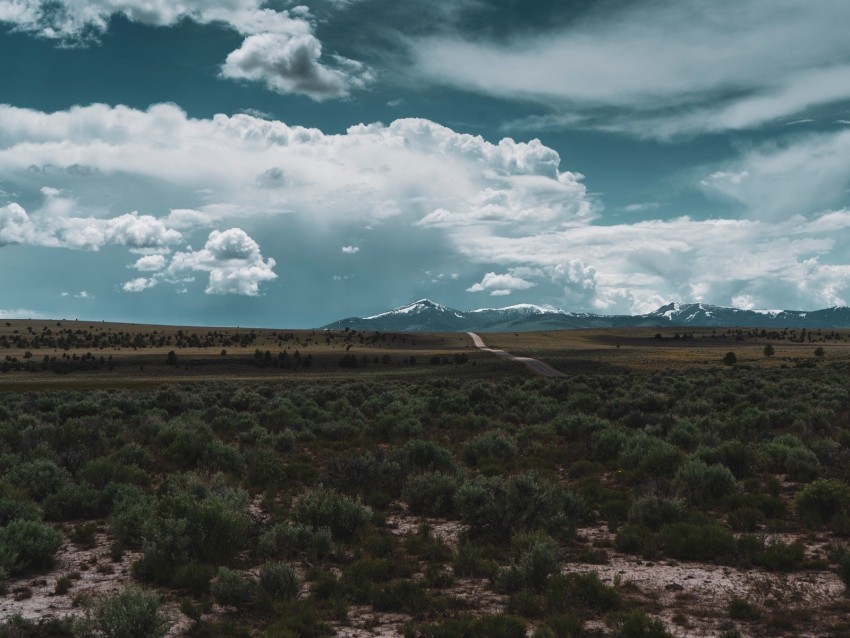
(652, 492)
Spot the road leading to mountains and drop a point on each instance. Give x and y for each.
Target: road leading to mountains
(537, 367)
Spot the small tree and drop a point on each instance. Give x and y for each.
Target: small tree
(730, 359)
(769, 351)
(171, 359)
(819, 352)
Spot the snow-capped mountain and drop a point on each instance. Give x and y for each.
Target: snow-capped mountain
(427, 316)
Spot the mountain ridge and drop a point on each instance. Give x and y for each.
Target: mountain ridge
(426, 315)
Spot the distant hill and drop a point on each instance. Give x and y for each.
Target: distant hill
(427, 316)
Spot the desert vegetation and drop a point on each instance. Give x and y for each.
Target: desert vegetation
(449, 507)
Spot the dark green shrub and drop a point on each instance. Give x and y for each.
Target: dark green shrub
(38, 478)
(326, 508)
(191, 521)
(584, 591)
(746, 519)
(19, 627)
(470, 561)
(102, 471)
(11, 509)
(279, 581)
(656, 511)
(28, 546)
(291, 541)
(232, 589)
(426, 456)
(131, 613)
(740, 609)
(490, 445)
(701, 484)
(782, 557)
(405, 596)
(635, 538)
(495, 626)
(431, 493)
(561, 626)
(707, 542)
(636, 624)
(75, 501)
(822, 502)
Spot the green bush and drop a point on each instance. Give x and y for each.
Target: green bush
(822, 502)
(131, 613)
(231, 588)
(584, 591)
(490, 445)
(75, 501)
(656, 511)
(28, 546)
(431, 493)
(325, 508)
(741, 609)
(38, 478)
(492, 626)
(426, 456)
(12, 509)
(636, 624)
(702, 484)
(291, 541)
(191, 520)
(636, 538)
(707, 542)
(782, 557)
(279, 581)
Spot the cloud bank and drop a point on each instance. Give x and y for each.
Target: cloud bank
(660, 69)
(506, 211)
(280, 49)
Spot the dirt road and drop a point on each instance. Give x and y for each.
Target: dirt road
(537, 367)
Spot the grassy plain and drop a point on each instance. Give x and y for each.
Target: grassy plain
(654, 491)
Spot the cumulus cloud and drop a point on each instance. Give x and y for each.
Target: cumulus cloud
(280, 49)
(150, 263)
(661, 69)
(500, 285)
(139, 284)
(578, 281)
(233, 261)
(292, 64)
(411, 167)
(84, 233)
(350, 250)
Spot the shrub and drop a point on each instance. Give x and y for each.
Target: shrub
(635, 538)
(190, 521)
(782, 557)
(74, 501)
(231, 588)
(740, 609)
(699, 483)
(290, 541)
(344, 517)
(131, 613)
(490, 445)
(426, 456)
(11, 509)
(28, 546)
(822, 502)
(708, 542)
(730, 359)
(493, 626)
(432, 493)
(745, 519)
(561, 626)
(405, 596)
(537, 562)
(580, 591)
(636, 624)
(38, 478)
(656, 511)
(279, 581)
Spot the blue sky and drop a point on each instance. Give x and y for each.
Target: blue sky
(281, 164)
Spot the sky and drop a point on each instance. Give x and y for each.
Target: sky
(283, 164)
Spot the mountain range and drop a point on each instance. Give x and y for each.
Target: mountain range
(427, 316)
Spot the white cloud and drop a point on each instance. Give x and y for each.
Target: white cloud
(350, 250)
(233, 261)
(642, 207)
(292, 64)
(410, 168)
(20, 313)
(84, 233)
(139, 284)
(150, 263)
(664, 68)
(805, 174)
(500, 285)
(279, 50)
